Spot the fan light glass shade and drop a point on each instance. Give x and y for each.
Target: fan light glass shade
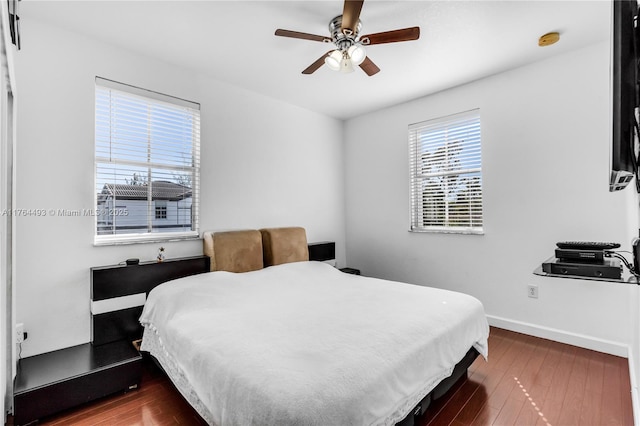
(346, 65)
(357, 53)
(333, 60)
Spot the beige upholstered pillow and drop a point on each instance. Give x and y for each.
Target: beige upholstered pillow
(284, 245)
(234, 251)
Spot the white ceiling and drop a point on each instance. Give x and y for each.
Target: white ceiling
(234, 41)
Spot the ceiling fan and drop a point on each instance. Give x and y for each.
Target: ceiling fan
(345, 35)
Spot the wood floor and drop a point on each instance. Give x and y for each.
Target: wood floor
(527, 381)
(532, 381)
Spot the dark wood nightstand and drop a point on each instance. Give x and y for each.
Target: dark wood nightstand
(325, 250)
(54, 381)
(353, 271)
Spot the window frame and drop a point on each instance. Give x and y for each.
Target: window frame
(418, 178)
(155, 98)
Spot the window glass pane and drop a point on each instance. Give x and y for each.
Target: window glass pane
(147, 163)
(446, 174)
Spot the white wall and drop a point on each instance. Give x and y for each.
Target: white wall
(545, 136)
(265, 163)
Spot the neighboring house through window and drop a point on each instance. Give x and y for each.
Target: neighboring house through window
(147, 165)
(446, 174)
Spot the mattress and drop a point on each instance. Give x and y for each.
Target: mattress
(303, 343)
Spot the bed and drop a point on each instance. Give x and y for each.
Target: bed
(271, 338)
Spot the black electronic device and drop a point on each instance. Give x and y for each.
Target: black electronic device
(132, 261)
(572, 255)
(624, 86)
(636, 255)
(610, 268)
(587, 245)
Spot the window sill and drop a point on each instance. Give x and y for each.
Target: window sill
(448, 231)
(114, 240)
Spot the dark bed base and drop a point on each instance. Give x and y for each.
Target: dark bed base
(443, 387)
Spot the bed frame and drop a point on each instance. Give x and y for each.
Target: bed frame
(119, 292)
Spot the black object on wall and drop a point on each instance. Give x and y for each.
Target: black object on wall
(636, 256)
(14, 22)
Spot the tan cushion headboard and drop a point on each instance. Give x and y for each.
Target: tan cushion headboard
(284, 245)
(234, 251)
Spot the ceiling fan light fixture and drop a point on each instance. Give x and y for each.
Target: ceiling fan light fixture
(357, 53)
(349, 44)
(333, 60)
(346, 66)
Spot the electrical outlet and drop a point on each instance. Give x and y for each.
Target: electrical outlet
(532, 291)
(19, 333)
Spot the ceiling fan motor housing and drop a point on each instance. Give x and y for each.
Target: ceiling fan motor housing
(343, 39)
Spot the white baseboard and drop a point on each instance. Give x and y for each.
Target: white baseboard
(634, 402)
(575, 339)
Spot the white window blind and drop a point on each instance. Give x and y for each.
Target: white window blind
(147, 155)
(446, 174)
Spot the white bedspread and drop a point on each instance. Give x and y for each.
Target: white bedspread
(305, 344)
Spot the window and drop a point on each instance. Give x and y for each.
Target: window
(446, 174)
(161, 209)
(147, 165)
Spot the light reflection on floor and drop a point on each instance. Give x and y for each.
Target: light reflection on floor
(532, 402)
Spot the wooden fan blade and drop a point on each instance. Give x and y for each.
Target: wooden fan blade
(317, 64)
(304, 36)
(351, 14)
(369, 67)
(405, 34)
